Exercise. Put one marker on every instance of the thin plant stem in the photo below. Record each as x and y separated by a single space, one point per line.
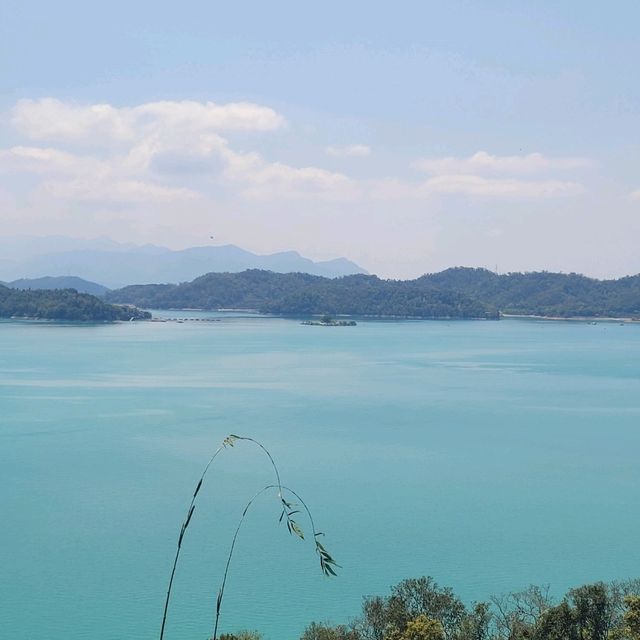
326 561
280 487
185 524
233 545
273 464
228 441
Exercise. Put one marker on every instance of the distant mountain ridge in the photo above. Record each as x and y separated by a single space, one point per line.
58 282
116 265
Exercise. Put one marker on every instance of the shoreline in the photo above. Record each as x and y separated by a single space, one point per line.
524 316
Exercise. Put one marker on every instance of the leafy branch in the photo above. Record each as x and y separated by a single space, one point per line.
327 563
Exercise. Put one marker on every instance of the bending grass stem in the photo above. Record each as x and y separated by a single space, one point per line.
326 561
280 487
228 441
183 528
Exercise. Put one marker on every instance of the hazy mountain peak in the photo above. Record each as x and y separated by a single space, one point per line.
59 282
115 264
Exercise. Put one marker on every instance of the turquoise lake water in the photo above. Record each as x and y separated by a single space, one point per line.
489 455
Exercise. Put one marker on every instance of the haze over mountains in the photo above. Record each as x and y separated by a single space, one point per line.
50 283
115 265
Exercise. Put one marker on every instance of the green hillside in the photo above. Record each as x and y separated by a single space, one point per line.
544 293
455 293
62 304
302 294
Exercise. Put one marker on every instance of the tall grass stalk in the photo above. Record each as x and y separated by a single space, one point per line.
327 563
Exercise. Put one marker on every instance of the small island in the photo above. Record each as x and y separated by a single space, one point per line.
328 321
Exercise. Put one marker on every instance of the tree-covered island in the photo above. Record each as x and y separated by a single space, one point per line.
63 304
302 294
459 292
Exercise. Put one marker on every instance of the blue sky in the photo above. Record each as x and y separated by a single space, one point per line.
408 136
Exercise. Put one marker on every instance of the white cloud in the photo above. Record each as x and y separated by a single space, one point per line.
86 178
482 162
157 142
115 191
209 116
472 187
54 120
183 147
51 119
168 152
261 179
349 151
634 196
469 185
484 175
48 161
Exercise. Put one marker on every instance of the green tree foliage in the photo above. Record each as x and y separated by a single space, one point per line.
544 293
421 628
454 293
632 617
408 600
594 611
241 635
557 623
303 294
419 609
317 631
475 624
62 304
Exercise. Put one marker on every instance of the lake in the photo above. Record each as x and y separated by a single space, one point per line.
489 455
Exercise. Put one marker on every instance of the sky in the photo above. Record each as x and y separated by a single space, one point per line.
406 136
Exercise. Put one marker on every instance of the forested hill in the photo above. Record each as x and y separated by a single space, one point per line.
544 293
455 293
62 304
299 293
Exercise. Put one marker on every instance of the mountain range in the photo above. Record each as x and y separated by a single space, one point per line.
115 265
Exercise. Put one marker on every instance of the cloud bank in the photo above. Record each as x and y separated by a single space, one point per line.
132 154
54 120
173 151
484 175
482 162
174 171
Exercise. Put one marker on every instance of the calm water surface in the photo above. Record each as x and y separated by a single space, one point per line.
489 455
